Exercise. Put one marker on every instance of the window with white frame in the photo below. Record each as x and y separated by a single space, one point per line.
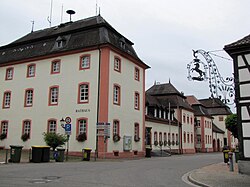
137 131
9 73
55 67
160 136
82 126
116 95
29 97
54 95
117 64
198 138
155 137
4 127
27 127
6 99
173 137
198 123
116 127
83 93
85 62
52 126
137 101
137 74
31 70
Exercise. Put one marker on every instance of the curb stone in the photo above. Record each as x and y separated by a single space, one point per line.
192 180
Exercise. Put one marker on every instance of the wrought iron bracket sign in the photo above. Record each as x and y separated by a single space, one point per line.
202 71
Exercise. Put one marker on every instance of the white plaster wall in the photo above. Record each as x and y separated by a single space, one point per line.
208 132
163 128
67 80
125 113
221 124
188 128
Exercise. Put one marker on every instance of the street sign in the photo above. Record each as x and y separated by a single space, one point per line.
67 127
67 120
103 129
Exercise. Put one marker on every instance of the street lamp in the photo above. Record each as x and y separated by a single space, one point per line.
62 122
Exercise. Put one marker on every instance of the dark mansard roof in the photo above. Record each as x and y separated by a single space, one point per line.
85 33
162 94
215 106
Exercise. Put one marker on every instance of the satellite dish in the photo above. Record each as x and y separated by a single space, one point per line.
70 12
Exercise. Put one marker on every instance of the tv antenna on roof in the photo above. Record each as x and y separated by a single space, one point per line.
49 18
70 12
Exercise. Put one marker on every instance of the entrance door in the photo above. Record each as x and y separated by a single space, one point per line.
148 136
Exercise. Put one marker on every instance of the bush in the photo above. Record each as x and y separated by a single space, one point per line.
116 138
25 137
81 137
3 136
54 139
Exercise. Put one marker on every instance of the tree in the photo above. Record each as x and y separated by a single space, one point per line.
231 124
54 140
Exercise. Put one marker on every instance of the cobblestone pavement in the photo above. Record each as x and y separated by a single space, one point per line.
219 175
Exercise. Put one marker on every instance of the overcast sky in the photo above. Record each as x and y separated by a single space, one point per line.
164 31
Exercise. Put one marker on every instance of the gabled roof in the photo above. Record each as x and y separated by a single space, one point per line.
201 111
85 33
163 90
217 129
192 100
215 106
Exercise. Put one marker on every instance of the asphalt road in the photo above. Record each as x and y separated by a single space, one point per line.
157 171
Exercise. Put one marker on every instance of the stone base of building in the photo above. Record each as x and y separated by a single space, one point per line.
113 155
244 167
188 151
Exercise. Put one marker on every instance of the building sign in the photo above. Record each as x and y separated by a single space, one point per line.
82 110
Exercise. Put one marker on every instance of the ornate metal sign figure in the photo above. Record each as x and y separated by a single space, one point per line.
219 87
197 70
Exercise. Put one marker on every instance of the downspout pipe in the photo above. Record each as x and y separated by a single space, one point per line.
98 100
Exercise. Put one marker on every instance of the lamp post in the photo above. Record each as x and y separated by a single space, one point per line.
62 121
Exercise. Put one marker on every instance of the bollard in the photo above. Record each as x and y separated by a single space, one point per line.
6 157
231 163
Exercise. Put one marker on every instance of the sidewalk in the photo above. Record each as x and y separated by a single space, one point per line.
218 175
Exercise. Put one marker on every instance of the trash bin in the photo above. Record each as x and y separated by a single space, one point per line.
45 154
40 154
225 155
59 155
15 153
37 153
86 154
236 154
148 152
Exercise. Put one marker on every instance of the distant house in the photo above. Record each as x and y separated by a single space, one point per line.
170 119
209 137
219 111
240 52
84 70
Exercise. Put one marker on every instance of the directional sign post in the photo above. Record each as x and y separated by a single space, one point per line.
68 129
